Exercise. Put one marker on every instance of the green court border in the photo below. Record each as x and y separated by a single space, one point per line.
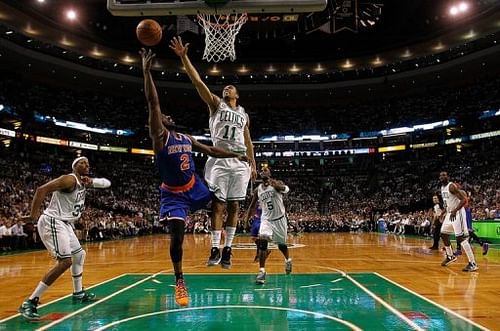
148 276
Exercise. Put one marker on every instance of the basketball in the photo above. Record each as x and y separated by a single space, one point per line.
149 32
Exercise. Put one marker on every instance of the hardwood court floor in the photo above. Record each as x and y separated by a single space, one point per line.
405 261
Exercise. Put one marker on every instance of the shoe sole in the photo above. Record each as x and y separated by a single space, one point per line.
27 317
260 282
225 265
212 264
449 262
470 270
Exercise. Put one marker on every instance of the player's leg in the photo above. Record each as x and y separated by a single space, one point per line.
217 177
265 235
280 228
436 232
446 231
174 209
217 219
77 261
54 236
236 191
462 234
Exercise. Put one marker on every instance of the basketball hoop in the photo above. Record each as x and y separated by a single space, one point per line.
220 35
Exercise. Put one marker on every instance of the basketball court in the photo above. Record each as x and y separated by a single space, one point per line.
340 282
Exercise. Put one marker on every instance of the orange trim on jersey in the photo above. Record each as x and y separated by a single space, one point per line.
180 189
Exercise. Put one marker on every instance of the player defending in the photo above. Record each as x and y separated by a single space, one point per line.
228 178
274 222
55 227
455 222
181 189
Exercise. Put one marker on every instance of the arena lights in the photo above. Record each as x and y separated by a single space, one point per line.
458 9
71 14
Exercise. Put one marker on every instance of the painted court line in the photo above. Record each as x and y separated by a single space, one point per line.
313 285
432 302
386 305
157 281
336 280
378 299
338 320
97 302
64 297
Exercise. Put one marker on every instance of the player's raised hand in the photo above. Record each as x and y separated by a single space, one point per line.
147 59
178 47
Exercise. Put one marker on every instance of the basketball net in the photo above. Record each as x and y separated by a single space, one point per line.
220 35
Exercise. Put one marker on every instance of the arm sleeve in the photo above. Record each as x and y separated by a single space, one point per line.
101 183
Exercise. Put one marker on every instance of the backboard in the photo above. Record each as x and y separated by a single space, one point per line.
195 7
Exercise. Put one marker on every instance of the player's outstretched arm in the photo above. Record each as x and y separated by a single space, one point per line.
215 151
250 152
206 95
156 128
279 186
65 182
96 182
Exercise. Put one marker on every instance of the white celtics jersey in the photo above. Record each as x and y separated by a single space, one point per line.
271 202
67 206
227 127
451 201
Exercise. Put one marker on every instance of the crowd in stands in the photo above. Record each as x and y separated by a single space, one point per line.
316 116
398 192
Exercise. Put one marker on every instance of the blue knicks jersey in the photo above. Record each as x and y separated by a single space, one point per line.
175 160
258 213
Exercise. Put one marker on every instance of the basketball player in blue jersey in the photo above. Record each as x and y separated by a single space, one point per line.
254 229
181 189
455 222
228 178
468 216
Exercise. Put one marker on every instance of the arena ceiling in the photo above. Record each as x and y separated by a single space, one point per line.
388 31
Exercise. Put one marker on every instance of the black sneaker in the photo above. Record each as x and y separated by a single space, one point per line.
448 260
214 258
470 267
29 311
83 296
225 261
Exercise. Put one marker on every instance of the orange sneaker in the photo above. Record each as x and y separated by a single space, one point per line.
181 293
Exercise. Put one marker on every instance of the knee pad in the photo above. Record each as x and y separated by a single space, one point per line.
262 244
77 260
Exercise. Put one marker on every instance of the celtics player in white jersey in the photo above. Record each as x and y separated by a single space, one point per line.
227 178
55 227
455 222
274 222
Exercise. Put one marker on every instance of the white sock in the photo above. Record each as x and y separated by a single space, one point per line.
230 231
468 251
288 260
449 251
216 234
39 290
77 284
262 269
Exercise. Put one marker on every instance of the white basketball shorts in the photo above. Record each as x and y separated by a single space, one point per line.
276 229
457 226
227 178
58 237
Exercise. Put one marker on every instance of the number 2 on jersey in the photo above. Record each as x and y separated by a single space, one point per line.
226 132
185 165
